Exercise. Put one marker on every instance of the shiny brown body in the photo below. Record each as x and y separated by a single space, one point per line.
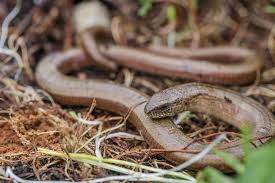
219 65
224 104
119 99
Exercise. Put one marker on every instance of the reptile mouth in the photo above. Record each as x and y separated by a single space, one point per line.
160 114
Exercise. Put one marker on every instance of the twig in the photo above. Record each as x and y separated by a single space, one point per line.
8 19
118 134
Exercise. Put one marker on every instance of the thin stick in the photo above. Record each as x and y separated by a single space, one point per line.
8 19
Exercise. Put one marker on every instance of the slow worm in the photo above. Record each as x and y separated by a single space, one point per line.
161 133
220 65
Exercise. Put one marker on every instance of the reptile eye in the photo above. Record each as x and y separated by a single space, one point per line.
163 107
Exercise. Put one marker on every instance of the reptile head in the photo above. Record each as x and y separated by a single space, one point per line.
163 104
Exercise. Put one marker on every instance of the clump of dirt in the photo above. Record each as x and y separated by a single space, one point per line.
32 125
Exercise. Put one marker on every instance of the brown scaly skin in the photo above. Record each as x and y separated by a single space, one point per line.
117 98
113 97
221 103
230 65
91 22
219 65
